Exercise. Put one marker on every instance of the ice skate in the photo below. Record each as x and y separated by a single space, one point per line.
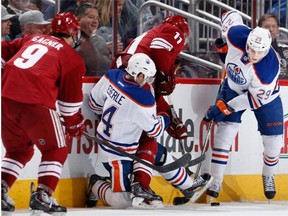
200 185
91 198
214 190
41 202
269 187
6 206
142 198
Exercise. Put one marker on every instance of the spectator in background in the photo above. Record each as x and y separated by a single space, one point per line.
5 23
127 24
32 22
93 48
65 6
271 22
4 2
16 7
278 7
34 5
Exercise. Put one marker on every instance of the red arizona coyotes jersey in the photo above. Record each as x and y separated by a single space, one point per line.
162 44
42 69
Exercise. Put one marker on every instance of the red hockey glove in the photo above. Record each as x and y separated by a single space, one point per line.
74 125
166 82
218 111
176 128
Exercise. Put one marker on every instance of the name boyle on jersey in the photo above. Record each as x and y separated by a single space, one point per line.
235 74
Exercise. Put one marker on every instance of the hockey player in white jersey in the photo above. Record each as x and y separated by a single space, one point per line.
252 70
127 109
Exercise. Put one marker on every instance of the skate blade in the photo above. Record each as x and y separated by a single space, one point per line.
199 193
210 199
5 213
138 202
40 212
36 212
57 213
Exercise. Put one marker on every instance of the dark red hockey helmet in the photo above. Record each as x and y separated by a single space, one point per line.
179 22
65 23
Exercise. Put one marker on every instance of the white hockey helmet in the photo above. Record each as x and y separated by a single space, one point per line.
259 40
141 63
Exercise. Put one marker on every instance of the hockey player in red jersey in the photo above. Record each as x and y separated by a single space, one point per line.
162 44
40 73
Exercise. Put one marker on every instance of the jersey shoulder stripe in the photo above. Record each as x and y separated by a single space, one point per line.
131 89
268 68
237 36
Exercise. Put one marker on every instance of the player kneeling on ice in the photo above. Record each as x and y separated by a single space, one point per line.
251 83
174 30
126 110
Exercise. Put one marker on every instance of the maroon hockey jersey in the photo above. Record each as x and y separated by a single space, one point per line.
42 69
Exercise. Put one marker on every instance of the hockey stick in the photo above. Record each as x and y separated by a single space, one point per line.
183 161
204 147
184 200
181 145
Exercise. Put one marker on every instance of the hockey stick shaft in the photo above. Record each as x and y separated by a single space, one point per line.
184 200
181 162
181 144
204 148
209 129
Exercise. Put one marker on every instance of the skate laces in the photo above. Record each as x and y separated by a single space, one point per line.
199 181
269 183
49 200
92 196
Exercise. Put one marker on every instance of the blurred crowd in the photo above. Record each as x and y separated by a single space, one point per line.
21 17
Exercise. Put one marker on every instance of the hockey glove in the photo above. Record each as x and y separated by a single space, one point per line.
166 82
176 128
221 48
74 125
218 112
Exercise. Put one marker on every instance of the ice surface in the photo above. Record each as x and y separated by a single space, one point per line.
275 208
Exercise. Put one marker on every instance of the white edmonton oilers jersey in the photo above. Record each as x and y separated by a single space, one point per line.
257 84
127 110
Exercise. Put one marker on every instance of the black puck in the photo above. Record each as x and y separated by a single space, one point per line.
215 204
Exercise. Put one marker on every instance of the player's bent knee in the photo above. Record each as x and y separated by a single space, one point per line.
272 144
23 156
225 135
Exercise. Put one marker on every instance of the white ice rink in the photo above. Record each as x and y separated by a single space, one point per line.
225 209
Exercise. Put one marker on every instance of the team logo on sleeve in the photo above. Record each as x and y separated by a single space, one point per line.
236 74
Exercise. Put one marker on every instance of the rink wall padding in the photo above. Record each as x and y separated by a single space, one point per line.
245 188
191 98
